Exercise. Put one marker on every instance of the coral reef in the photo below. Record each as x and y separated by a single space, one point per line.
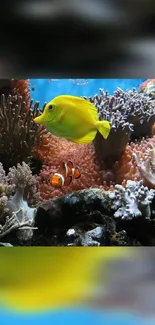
95 217
94 237
129 113
21 88
112 203
148 87
108 109
16 88
70 220
132 201
93 173
147 166
18 132
134 155
91 217
21 177
139 110
18 192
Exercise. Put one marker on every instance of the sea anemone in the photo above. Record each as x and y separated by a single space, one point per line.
136 162
55 150
146 165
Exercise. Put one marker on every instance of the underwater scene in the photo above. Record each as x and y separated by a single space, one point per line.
77 162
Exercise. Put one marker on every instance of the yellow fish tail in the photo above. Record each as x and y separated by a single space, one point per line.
104 128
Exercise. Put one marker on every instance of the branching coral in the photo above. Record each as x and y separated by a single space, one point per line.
138 108
18 132
108 109
132 201
19 189
128 112
21 177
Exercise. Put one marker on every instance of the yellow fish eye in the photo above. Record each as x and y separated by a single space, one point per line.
50 107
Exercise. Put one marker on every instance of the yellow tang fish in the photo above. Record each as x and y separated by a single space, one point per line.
36 279
73 118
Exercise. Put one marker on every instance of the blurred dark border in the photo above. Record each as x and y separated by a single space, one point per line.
78 38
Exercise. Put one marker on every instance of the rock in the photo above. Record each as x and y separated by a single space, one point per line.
94 217
81 218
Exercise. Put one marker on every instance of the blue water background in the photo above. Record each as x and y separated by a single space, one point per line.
47 89
74 317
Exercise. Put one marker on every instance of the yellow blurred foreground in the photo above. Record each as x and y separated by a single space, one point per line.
39 279
33 279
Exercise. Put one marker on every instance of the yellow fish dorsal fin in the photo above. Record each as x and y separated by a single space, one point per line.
81 104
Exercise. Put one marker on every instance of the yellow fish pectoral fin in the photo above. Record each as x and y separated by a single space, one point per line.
61 116
88 138
104 128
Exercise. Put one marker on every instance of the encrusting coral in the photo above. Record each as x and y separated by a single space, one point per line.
18 132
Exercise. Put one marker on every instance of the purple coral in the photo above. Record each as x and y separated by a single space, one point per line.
121 128
129 112
138 109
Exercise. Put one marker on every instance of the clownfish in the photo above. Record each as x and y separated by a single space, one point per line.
65 175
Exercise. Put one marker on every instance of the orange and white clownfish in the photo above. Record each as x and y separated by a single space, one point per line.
65 175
